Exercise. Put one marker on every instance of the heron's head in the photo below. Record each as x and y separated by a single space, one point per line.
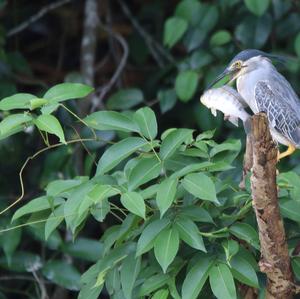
246 61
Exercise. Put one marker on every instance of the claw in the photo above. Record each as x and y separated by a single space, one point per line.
288 152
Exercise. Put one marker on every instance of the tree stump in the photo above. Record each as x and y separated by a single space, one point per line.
275 261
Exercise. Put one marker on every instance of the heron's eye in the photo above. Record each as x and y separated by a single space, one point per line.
237 64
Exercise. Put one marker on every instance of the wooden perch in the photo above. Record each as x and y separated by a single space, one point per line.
275 261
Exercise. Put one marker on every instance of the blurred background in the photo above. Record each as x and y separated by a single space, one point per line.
135 53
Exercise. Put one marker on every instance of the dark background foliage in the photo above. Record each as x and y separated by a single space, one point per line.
167 69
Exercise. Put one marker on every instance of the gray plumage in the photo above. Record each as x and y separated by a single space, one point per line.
281 115
266 90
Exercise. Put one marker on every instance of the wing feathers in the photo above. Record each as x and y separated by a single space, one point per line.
281 115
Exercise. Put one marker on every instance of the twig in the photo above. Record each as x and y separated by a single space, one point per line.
88 49
41 285
31 158
17 277
151 43
275 261
103 90
37 16
102 63
113 45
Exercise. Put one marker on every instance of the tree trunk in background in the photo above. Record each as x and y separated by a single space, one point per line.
275 261
88 50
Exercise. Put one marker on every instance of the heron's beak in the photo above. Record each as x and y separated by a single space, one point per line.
226 72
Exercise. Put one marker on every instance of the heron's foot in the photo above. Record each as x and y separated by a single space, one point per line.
288 152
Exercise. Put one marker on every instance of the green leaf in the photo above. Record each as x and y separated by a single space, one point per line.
61 187
186 84
200 59
249 256
197 214
166 246
189 10
291 181
49 108
290 209
12 132
296 45
196 277
228 145
100 210
209 17
96 195
134 202
87 281
36 205
296 267
9 242
221 282
165 195
63 274
257 7
50 124
167 99
16 101
146 121
203 17
172 142
84 248
67 91
206 135
173 289
220 38
149 192
189 233
153 283
129 273
243 271
72 218
146 240
245 232
54 220
12 122
254 32
174 29
161 294
231 248
144 171
195 167
37 103
112 281
125 99
111 120
118 152
201 186
110 260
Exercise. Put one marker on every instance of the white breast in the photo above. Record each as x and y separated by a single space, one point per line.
246 83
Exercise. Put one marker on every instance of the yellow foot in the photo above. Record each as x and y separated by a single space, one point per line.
288 152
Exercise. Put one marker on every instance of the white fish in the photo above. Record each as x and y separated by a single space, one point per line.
227 100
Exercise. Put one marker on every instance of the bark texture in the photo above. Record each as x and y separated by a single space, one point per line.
275 261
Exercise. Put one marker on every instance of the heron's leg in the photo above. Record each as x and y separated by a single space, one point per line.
288 152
